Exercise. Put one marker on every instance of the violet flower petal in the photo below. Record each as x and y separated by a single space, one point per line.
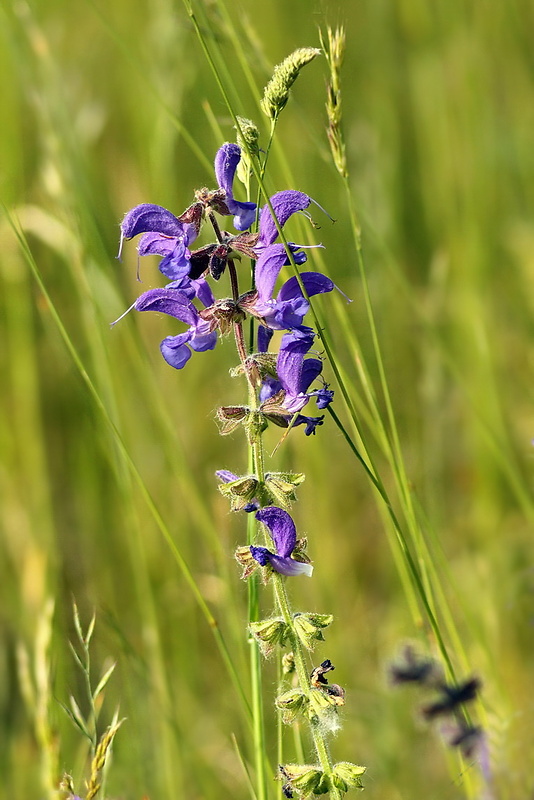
314 283
168 301
270 261
175 351
226 161
293 348
285 566
311 369
311 423
281 527
284 205
264 337
149 217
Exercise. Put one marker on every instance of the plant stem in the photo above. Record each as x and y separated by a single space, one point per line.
319 738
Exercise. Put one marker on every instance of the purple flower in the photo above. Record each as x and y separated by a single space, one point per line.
176 350
163 235
226 161
169 237
295 374
284 535
288 309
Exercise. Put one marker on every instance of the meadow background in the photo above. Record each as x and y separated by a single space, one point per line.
107 105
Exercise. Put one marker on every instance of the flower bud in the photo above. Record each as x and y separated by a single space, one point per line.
248 563
288 663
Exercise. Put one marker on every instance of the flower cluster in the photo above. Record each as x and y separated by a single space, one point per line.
285 390
281 385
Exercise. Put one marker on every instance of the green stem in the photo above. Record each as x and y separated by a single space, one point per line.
319 738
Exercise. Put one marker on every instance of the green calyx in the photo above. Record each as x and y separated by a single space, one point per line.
292 704
347 776
278 488
305 779
309 628
269 633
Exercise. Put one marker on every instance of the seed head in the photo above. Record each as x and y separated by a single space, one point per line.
276 93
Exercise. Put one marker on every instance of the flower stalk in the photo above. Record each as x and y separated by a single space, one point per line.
279 387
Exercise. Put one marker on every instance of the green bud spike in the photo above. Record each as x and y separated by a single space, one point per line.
276 93
248 136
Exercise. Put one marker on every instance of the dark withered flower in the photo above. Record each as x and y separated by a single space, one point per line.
467 738
451 698
412 667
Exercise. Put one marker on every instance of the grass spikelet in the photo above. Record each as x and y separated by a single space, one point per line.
334 49
276 93
103 750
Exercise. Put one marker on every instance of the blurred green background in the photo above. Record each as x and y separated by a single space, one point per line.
107 105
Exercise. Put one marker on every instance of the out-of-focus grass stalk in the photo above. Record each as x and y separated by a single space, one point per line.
160 523
419 564
35 677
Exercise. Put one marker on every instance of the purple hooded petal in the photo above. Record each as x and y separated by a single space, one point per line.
226 161
285 566
269 387
168 301
311 369
281 527
284 205
226 476
149 217
264 337
156 244
270 261
293 348
314 283
290 306
176 256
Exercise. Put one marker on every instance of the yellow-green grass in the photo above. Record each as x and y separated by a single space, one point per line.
108 455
